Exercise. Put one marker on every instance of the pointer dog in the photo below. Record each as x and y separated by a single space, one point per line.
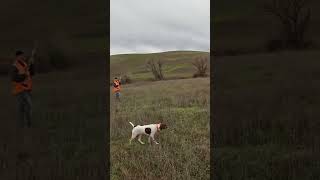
149 130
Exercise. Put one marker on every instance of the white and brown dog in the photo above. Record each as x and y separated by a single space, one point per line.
149 130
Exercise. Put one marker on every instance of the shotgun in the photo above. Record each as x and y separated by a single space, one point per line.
33 53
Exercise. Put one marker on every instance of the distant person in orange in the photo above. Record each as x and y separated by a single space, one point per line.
21 77
117 87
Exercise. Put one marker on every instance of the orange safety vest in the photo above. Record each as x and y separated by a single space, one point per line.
116 87
25 85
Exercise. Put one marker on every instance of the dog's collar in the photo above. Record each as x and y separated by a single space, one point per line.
158 126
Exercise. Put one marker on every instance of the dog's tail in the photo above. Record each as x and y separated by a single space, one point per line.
131 124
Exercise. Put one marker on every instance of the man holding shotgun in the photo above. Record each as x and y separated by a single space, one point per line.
117 87
21 77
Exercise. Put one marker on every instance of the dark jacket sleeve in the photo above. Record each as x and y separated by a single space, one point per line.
15 76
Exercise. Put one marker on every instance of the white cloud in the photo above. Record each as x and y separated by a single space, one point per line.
140 26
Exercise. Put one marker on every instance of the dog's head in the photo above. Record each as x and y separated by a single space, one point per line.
163 126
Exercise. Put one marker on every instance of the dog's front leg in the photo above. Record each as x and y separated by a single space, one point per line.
154 140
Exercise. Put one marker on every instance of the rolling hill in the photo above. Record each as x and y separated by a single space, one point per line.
177 64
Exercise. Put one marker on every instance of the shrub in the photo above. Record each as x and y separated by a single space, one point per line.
58 58
294 17
126 79
201 65
50 56
274 45
155 66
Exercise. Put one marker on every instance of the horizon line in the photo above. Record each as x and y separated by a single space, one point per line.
159 52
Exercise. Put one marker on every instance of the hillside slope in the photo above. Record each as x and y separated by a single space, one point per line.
177 64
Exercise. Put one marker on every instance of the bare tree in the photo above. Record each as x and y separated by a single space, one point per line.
294 16
201 65
155 66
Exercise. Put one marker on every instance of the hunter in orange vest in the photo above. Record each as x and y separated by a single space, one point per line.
117 87
21 77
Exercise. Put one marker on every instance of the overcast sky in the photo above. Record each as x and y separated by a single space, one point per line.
143 26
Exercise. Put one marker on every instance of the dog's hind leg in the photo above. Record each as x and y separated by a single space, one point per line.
139 139
134 135
149 140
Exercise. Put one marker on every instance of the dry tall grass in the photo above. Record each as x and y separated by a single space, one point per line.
267 116
184 150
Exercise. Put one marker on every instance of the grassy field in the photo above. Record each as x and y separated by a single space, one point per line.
184 149
67 138
266 109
